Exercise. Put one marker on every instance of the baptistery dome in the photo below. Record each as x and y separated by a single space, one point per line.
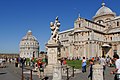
29 36
29 46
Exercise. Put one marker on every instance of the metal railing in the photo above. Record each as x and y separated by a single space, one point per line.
27 78
69 71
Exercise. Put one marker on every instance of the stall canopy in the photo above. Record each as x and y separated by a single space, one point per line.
106 45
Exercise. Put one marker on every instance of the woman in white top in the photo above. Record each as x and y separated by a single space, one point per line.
84 65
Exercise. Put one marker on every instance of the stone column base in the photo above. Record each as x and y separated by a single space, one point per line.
48 71
57 72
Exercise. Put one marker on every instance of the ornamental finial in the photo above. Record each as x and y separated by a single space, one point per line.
103 4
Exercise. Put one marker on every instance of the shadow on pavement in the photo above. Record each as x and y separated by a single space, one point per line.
3 73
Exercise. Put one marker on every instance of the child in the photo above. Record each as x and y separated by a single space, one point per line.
91 72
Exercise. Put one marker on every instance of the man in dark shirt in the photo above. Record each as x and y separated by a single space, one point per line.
91 72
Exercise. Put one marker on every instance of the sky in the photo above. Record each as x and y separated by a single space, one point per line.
19 16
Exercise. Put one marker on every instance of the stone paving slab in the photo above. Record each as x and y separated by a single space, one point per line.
84 76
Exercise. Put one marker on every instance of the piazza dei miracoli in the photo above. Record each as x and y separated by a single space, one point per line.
90 38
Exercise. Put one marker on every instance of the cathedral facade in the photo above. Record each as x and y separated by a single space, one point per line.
92 38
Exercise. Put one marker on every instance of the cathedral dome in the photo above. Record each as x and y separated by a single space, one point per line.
104 10
104 14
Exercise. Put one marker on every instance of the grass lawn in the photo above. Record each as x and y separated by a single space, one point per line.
76 63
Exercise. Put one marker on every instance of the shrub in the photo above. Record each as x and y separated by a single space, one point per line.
76 63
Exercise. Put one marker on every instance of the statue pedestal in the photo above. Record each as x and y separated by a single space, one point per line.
52 56
97 72
57 72
53 47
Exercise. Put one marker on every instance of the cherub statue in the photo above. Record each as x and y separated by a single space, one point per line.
54 30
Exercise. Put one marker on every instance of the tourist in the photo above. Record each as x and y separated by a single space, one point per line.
77 58
108 60
112 62
64 61
46 60
33 62
21 62
43 62
117 68
80 58
40 66
103 63
91 71
61 61
84 65
93 59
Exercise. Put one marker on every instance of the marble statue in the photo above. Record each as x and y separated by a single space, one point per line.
54 30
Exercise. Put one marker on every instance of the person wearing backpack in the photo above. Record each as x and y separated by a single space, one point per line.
91 69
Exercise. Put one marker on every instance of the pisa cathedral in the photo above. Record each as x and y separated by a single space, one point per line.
90 38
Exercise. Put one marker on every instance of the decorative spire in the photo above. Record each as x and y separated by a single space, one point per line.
29 32
103 4
79 15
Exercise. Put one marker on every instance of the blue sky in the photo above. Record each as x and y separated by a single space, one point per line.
19 16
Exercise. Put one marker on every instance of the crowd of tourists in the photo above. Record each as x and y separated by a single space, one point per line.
40 63
105 62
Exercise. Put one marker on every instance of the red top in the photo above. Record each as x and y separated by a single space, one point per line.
64 62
